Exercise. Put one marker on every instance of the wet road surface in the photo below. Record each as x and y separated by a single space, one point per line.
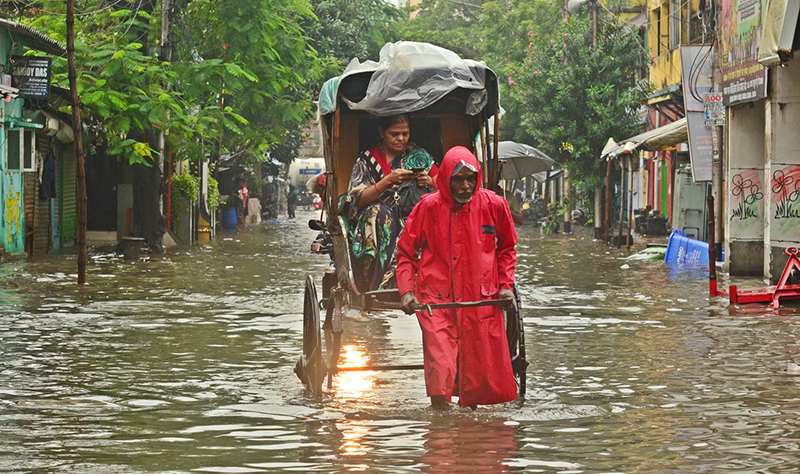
184 364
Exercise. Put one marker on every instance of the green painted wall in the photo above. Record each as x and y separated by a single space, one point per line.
12 213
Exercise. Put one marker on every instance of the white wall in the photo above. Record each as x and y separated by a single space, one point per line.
782 166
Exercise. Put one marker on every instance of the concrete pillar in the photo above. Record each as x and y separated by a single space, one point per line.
782 163
746 189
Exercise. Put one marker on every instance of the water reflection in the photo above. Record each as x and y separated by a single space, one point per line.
468 445
352 434
354 385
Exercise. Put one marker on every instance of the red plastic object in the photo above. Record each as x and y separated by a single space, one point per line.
771 294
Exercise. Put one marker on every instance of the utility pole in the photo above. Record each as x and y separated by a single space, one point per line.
607 220
80 173
594 23
164 55
718 136
567 191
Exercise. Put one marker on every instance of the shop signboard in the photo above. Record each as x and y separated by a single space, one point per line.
714 109
31 75
744 79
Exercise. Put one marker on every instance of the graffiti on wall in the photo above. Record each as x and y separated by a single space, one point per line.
13 221
785 205
785 192
12 214
746 195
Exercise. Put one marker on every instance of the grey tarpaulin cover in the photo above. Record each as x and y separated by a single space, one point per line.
410 76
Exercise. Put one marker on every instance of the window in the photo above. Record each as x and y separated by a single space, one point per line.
674 24
21 149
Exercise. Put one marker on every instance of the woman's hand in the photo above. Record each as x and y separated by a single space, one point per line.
371 194
397 176
423 179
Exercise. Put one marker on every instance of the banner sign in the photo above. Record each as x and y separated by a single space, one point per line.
31 75
744 79
696 81
696 69
701 147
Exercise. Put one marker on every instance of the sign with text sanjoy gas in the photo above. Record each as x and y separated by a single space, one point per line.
744 79
31 75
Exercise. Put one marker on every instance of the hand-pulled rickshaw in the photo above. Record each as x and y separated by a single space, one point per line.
451 102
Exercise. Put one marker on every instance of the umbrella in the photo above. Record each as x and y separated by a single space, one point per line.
522 160
541 176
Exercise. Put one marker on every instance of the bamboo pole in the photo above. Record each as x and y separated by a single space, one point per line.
484 165
621 202
487 157
630 201
495 137
80 172
607 220
712 249
567 203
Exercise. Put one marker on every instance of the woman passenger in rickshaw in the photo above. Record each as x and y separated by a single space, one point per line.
375 227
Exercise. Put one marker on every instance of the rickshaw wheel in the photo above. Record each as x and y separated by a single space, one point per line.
516 345
333 335
522 362
311 368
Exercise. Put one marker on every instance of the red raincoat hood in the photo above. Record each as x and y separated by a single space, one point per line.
451 159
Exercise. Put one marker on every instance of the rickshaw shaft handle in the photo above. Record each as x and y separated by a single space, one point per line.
465 304
462 304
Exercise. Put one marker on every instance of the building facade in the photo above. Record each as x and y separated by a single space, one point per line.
32 160
760 83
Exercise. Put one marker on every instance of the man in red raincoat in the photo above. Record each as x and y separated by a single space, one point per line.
458 245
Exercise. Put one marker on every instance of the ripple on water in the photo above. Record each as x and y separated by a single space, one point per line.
137 372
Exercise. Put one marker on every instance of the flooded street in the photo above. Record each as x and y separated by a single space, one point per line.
185 364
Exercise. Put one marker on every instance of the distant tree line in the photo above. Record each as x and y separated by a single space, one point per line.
241 76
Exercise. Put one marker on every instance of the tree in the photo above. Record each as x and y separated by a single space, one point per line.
559 93
253 57
515 23
454 25
496 32
347 29
240 84
573 96
127 95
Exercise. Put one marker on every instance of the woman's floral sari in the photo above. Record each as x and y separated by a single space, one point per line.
374 230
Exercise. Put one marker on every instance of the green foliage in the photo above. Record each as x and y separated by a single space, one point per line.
239 74
251 60
125 93
288 149
186 185
349 29
572 96
213 193
560 94
451 25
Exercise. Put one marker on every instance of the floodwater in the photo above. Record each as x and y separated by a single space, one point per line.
184 364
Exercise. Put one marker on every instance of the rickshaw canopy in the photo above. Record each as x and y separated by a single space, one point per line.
411 76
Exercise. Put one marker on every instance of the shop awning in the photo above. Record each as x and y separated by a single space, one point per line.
778 26
653 140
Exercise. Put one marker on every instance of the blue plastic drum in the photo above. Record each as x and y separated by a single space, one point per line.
228 218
